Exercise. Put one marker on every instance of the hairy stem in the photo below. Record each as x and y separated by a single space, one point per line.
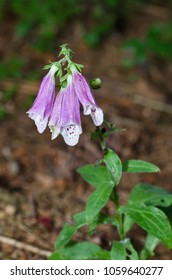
119 217
114 195
101 139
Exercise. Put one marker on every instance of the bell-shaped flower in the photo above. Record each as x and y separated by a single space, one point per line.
85 96
65 116
43 104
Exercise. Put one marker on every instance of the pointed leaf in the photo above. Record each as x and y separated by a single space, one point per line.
79 218
114 166
96 176
123 250
139 166
150 195
149 247
111 131
97 200
81 251
153 220
127 224
65 235
55 256
69 230
101 219
99 177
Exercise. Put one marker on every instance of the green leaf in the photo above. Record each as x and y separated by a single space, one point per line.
55 256
96 176
149 247
101 219
114 166
139 166
99 177
81 251
97 200
79 218
111 131
150 195
69 230
3 112
168 212
123 250
94 135
65 235
79 66
153 220
127 224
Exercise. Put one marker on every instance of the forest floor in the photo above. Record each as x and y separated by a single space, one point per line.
40 189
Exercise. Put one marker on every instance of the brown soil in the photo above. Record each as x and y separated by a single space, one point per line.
40 189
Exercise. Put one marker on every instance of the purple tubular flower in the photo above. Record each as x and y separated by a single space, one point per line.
43 104
65 116
85 96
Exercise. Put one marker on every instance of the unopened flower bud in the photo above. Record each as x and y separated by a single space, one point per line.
95 83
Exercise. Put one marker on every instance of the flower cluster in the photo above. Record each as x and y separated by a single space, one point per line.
62 112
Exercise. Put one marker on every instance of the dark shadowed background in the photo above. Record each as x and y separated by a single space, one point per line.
128 44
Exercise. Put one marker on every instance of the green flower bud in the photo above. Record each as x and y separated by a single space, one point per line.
95 83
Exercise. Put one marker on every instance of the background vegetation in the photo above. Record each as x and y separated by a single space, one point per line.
127 43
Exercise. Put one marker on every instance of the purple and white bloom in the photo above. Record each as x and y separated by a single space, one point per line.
85 96
43 104
65 116
62 113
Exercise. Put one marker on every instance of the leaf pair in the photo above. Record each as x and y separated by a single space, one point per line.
142 208
104 178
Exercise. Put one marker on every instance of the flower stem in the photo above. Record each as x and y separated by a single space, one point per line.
101 139
114 195
119 217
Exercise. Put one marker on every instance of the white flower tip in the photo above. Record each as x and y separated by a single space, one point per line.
40 122
87 110
97 116
55 131
71 134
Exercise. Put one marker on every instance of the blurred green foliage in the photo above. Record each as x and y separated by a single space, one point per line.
103 16
157 42
43 20
3 112
6 96
12 67
39 24
40 20
9 93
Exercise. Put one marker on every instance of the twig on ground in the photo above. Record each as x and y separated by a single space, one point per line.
24 246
